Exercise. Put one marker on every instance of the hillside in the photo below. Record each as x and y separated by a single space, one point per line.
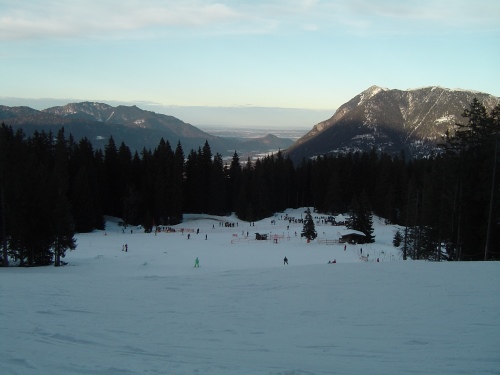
389 121
137 128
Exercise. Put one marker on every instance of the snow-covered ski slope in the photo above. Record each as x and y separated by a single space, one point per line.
149 311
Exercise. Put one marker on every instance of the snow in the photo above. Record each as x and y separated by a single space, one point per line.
111 115
370 93
149 311
446 119
344 232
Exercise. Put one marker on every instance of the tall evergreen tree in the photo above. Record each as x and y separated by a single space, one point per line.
12 154
260 190
234 182
61 219
30 227
475 144
361 218
244 207
112 182
217 198
192 183
82 202
86 187
163 159
177 198
309 230
205 178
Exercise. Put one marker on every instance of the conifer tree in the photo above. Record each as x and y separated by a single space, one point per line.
61 219
31 211
86 186
205 175
475 147
192 183
397 239
163 162
82 202
6 135
112 172
308 230
217 197
234 182
11 155
260 191
176 195
361 217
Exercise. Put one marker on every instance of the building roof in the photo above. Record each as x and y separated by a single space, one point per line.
347 232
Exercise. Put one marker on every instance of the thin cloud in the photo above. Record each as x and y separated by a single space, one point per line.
460 13
38 19
31 19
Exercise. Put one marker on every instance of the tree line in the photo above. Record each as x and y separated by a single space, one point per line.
446 205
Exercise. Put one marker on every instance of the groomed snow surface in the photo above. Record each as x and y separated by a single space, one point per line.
149 311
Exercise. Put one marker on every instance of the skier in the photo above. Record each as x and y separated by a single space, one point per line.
285 261
197 262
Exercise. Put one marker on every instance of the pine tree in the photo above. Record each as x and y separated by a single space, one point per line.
217 198
83 204
361 218
112 200
6 135
163 162
397 239
85 189
474 145
309 231
176 195
11 155
192 183
30 213
234 182
260 191
205 181
61 221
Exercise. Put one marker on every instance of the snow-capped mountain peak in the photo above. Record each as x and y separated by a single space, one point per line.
389 121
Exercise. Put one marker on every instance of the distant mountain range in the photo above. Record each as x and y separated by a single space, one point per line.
382 119
389 121
135 127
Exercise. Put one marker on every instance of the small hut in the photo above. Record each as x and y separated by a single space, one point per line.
261 237
352 236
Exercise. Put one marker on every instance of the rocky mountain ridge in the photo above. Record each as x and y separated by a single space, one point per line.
137 128
390 121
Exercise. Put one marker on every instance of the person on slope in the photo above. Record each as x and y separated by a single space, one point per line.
197 262
285 261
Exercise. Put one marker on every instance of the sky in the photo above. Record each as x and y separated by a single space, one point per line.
243 311
310 55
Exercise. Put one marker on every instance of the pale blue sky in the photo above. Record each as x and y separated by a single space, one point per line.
306 54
